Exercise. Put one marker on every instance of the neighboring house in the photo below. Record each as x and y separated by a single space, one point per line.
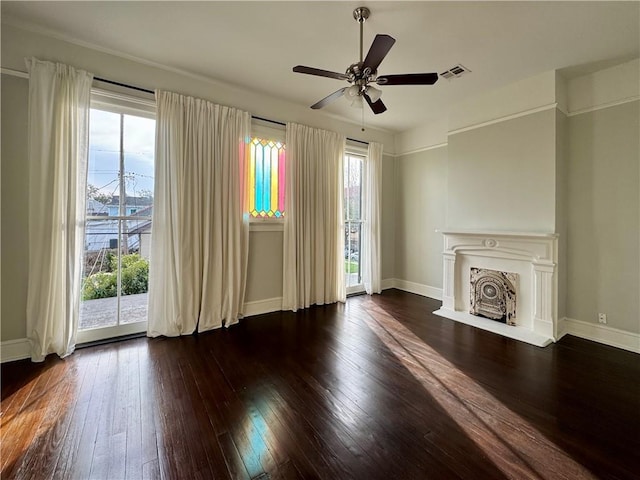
103 233
133 205
95 208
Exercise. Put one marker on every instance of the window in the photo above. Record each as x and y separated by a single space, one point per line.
266 178
353 221
119 201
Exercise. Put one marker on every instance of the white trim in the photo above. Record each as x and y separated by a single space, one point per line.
613 337
602 106
270 225
517 333
387 283
95 334
258 307
501 233
102 96
12 350
356 149
418 288
564 111
422 149
504 119
355 289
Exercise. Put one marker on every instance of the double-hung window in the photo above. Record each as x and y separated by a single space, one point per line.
119 207
353 165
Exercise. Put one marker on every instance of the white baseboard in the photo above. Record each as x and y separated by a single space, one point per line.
601 333
12 350
259 307
387 283
418 288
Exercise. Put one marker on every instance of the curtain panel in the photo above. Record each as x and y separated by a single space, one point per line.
371 212
200 235
313 228
58 140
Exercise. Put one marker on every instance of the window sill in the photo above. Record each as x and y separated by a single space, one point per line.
270 225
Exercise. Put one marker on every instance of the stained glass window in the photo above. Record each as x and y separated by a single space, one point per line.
266 178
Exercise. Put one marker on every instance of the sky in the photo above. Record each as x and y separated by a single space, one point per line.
104 156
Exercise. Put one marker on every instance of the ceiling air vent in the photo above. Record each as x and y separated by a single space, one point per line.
455 71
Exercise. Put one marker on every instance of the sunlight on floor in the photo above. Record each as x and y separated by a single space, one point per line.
509 441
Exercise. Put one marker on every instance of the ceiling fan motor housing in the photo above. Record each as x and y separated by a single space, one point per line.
359 75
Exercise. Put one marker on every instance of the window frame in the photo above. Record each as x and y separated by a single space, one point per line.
362 152
118 103
267 131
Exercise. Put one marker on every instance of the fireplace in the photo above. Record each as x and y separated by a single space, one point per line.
493 294
524 264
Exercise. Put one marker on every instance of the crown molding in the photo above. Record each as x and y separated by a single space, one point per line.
422 149
602 106
506 118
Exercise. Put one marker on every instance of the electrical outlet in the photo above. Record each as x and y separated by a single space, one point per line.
602 318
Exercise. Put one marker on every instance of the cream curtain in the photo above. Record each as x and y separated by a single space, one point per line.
58 139
371 194
200 226
313 229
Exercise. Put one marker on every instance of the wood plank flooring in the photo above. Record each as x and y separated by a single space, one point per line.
378 388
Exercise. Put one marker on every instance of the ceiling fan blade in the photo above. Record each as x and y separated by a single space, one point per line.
329 98
379 49
376 107
319 72
408 79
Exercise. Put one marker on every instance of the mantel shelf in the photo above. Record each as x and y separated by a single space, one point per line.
497 233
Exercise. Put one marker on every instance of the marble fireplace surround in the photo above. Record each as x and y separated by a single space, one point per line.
534 256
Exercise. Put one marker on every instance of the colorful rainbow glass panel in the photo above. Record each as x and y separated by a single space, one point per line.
266 178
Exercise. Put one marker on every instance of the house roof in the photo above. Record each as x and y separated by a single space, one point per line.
132 201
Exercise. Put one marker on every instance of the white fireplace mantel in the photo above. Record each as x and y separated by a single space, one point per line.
533 256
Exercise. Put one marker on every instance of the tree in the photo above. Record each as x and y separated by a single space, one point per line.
98 195
145 193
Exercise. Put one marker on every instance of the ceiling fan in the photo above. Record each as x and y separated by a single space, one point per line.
364 72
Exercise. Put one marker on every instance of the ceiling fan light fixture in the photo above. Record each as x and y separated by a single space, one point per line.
374 93
357 102
353 91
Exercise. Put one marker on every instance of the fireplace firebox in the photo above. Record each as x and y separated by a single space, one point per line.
493 294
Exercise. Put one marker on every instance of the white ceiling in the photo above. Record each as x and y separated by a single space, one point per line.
256 44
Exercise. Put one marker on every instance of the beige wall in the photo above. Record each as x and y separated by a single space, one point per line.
265 258
15 202
604 216
502 176
421 193
388 233
577 175
562 176
574 174
264 267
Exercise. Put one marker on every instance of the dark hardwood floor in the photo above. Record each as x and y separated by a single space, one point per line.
378 388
